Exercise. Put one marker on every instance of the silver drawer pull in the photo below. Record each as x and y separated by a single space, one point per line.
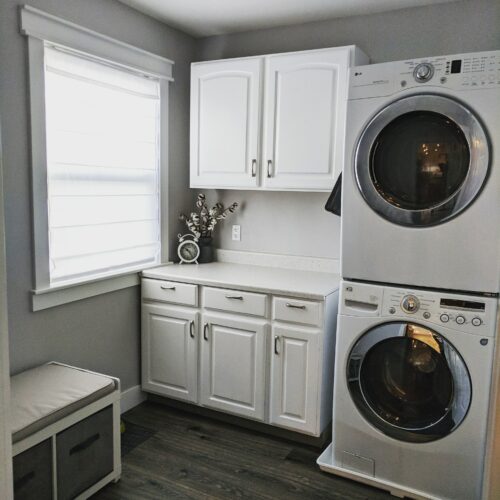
294 306
205 331
191 329
276 340
166 287
254 168
269 166
234 297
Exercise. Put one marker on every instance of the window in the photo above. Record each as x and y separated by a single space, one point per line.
99 115
102 167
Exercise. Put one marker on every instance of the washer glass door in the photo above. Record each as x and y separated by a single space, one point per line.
409 382
422 160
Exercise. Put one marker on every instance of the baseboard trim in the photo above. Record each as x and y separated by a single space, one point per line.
131 397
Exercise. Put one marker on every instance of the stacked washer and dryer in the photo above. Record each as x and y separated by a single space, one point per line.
420 261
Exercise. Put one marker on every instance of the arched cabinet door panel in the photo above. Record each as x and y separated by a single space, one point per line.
225 107
304 119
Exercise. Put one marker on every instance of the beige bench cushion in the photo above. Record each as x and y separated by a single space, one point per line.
43 395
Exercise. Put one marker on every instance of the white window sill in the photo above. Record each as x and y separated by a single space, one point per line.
64 293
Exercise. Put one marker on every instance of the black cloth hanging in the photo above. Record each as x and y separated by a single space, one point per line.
334 200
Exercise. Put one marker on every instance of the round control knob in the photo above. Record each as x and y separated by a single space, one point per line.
476 321
427 315
423 72
392 310
460 320
410 304
444 318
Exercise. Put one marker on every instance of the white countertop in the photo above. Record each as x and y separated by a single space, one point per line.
314 285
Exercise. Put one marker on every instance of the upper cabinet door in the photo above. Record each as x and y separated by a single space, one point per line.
225 106
304 119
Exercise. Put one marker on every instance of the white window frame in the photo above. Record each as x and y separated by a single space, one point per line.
40 28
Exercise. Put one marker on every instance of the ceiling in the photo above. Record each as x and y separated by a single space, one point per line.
215 17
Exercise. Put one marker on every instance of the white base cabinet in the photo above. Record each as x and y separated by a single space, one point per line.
233 354
170 351
294 397
264 357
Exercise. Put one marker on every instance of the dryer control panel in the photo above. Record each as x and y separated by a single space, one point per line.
474 71
467 313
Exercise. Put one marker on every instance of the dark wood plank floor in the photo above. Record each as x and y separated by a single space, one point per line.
181 455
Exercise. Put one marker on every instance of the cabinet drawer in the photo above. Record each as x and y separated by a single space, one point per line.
170 291
235 301
297 311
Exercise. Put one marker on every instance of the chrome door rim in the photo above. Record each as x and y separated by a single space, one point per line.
477 141
408 434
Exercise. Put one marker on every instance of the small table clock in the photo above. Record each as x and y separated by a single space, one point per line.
188 249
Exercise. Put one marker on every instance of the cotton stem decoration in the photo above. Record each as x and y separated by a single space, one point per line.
203 222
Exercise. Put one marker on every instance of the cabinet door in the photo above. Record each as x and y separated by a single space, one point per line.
304 119
169 351
225 105
295 364
232 364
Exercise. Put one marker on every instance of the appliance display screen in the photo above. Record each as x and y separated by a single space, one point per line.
456 66
463 304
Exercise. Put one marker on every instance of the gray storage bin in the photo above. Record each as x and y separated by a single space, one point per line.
84 454
33 473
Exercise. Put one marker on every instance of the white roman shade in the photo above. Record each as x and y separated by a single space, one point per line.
103 158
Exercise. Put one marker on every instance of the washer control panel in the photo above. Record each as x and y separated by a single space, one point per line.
473 71
472 314
461 71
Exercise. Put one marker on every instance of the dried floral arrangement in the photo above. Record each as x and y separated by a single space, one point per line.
203 222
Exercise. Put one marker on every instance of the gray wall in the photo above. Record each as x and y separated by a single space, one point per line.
268 219
100 333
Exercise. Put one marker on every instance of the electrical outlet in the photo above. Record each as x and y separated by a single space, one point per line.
236 232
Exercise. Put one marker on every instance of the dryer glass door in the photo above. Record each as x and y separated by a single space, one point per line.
422 160
409 382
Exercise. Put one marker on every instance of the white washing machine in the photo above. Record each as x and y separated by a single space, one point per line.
413 375
421 182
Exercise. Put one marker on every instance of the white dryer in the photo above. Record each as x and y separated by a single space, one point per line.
413 375
421 181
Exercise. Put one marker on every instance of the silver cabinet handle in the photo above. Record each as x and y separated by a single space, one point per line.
234 297
294 306
191 329
205 331
166 287
269 165
276 340
254 167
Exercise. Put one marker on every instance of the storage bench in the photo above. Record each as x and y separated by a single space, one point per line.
65 432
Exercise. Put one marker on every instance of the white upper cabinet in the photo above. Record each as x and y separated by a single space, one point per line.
295 143
225 109
306 97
